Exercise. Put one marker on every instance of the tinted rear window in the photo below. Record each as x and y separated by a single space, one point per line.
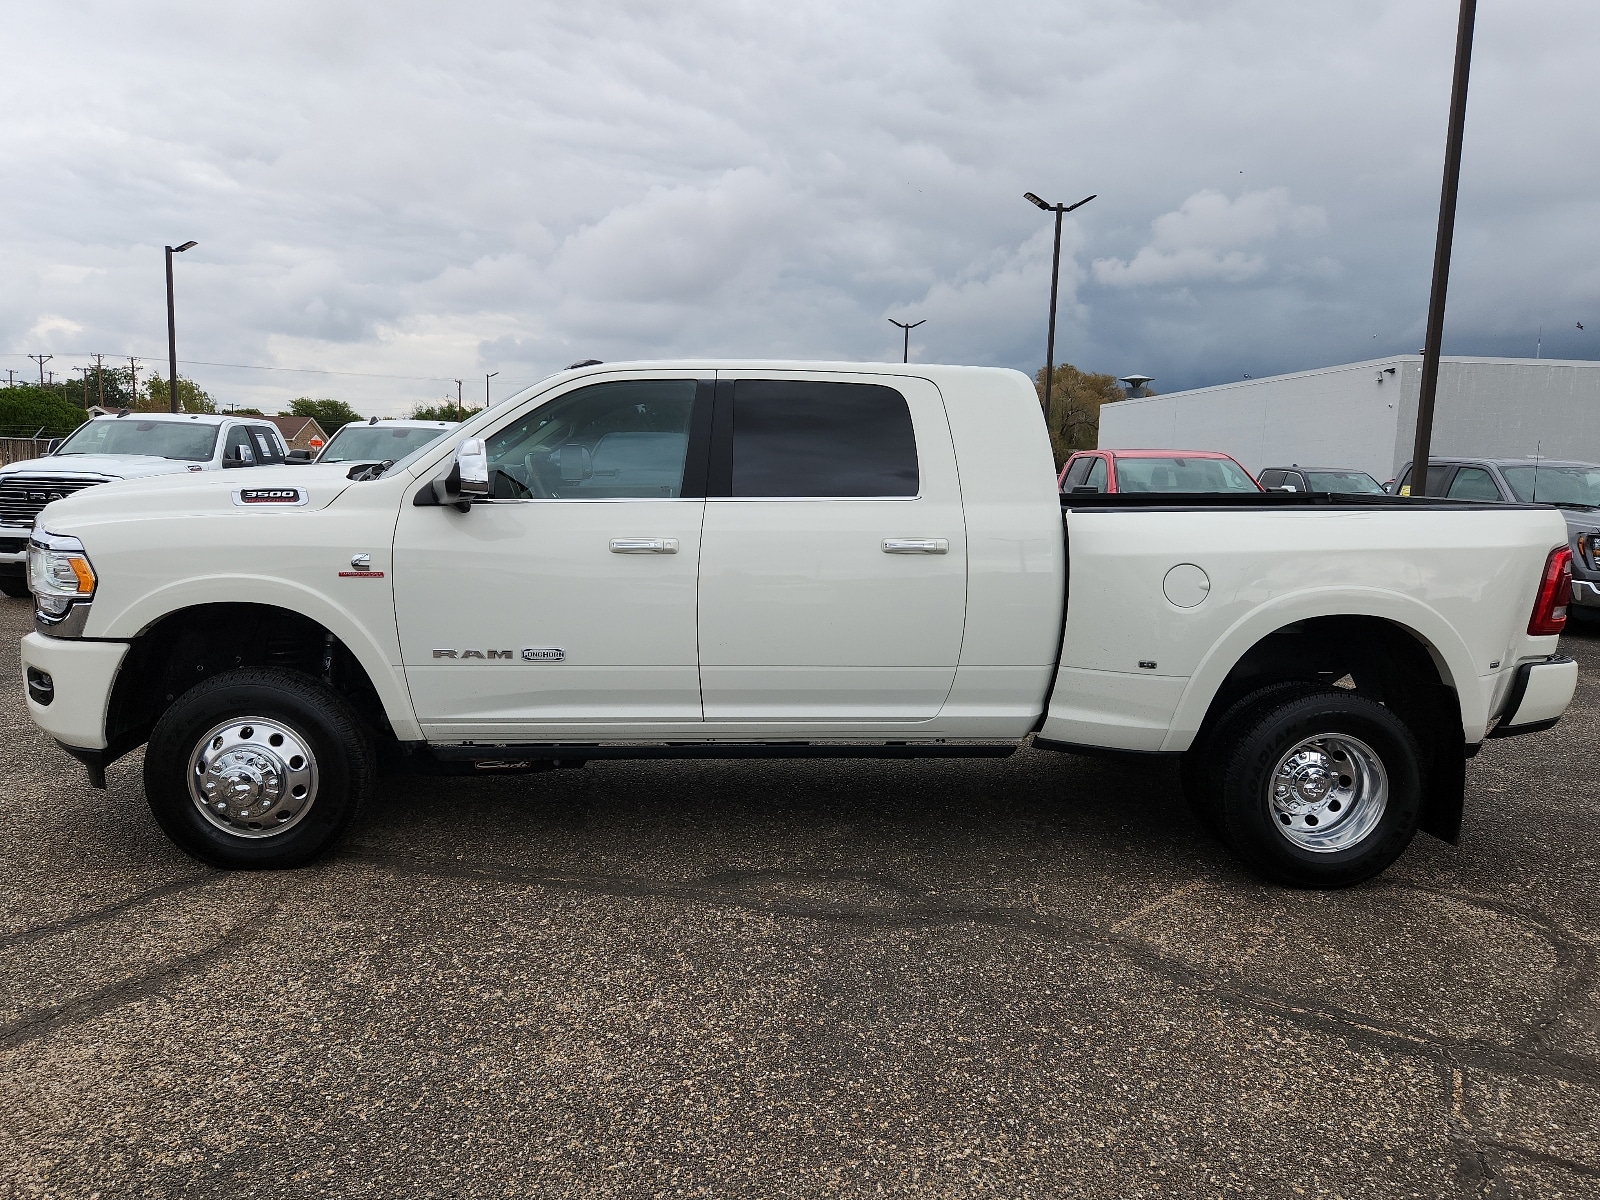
799 438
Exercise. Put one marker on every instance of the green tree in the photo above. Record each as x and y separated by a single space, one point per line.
26 410
443 411
191 399
332 415
1075 400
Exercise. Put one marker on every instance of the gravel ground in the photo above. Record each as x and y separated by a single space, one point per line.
1026 977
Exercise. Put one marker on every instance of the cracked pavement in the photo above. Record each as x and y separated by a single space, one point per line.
1022 977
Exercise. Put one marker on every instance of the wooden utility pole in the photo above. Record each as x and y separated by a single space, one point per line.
133 374
100 378
1422 448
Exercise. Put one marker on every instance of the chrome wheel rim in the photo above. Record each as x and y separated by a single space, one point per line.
1328 793
253 777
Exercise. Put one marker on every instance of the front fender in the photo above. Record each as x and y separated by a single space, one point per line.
378 653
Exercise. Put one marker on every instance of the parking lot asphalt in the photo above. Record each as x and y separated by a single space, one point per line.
1026 977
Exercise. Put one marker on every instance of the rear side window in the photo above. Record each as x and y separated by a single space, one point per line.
1097 476
803 438
1272 479
1075 473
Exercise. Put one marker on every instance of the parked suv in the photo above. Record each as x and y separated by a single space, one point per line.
1340 481
1573 487
128 445
1154 471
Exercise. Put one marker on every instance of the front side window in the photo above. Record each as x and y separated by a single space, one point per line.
814 439
1075 473
237 448
1182 475
622 440
1473 483
190 442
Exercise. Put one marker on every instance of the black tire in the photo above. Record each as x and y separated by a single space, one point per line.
1201 769
1253 828
340 750
15 586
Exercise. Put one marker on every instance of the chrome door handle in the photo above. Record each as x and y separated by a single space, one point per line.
916 546
644 545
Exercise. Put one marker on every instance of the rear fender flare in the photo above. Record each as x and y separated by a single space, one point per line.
1450 654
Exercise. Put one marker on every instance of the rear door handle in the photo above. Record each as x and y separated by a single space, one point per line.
644 545
916 546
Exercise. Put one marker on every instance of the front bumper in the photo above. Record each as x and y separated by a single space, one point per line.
1539 694
68 685
14 549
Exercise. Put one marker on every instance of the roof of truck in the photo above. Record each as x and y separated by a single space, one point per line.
1119 452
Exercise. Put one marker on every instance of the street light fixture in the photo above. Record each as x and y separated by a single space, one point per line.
1055 278
486 379
905 354
172 328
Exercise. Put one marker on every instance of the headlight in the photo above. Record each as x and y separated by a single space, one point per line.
59 573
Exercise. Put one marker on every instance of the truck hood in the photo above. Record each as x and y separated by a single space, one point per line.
268 492
114 466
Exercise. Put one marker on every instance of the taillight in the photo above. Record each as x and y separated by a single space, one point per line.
1555 589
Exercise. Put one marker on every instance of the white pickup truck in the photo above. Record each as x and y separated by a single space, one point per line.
785 560
124 446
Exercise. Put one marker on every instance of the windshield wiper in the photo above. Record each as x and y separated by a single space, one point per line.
362 472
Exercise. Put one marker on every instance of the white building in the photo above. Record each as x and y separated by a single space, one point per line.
1364 415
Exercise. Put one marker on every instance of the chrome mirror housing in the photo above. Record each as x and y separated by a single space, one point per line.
467 478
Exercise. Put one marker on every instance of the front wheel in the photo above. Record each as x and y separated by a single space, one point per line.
1321 790
258 768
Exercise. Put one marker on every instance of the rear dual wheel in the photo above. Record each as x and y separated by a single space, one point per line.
1311 786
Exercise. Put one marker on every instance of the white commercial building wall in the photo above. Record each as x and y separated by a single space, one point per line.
1363 415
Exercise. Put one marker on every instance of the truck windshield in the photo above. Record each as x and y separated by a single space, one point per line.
1555 485
191 442
1182 475
1343 481
375 443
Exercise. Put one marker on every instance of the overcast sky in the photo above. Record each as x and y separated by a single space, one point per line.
443 190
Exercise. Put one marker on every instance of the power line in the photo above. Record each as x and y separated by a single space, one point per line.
193 362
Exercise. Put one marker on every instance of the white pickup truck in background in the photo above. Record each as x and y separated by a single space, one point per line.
785 560
124 446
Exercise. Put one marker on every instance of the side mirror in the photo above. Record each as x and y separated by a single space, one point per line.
239 456
575 463
53 445
298 456
467 478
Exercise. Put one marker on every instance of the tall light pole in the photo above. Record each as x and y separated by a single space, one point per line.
172 328
1055 279
1422 448
905 354
458 402
486 379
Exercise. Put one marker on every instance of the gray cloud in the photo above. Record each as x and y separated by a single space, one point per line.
431 190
